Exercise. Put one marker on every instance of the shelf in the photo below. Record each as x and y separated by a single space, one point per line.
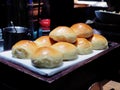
89 4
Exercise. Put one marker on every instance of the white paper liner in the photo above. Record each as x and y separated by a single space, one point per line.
6 55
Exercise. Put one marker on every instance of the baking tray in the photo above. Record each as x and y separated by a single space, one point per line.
50 75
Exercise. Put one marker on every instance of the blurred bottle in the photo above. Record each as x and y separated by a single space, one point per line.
44 20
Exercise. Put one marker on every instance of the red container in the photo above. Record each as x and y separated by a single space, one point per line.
45 24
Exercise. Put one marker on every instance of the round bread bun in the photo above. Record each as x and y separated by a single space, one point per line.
69 50
99 42
23 49
84 46
63 33
47 57
44 41
82 30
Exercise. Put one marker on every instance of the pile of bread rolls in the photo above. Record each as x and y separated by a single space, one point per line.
62 44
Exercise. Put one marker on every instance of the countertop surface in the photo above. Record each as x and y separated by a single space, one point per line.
90 4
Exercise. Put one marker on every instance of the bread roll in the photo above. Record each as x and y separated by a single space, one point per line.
69 50
23 49
44 41
47 57
99 42
83 46
82 30
63 33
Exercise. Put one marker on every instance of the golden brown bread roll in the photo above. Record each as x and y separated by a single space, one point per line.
44 41
83 46
23 49
69 50
63 33
47 57
82 30
99 42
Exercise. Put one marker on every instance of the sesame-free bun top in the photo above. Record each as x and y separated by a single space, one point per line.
23 49
84 46
47 57
63 33
99 42
44 41
82 30
69 50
